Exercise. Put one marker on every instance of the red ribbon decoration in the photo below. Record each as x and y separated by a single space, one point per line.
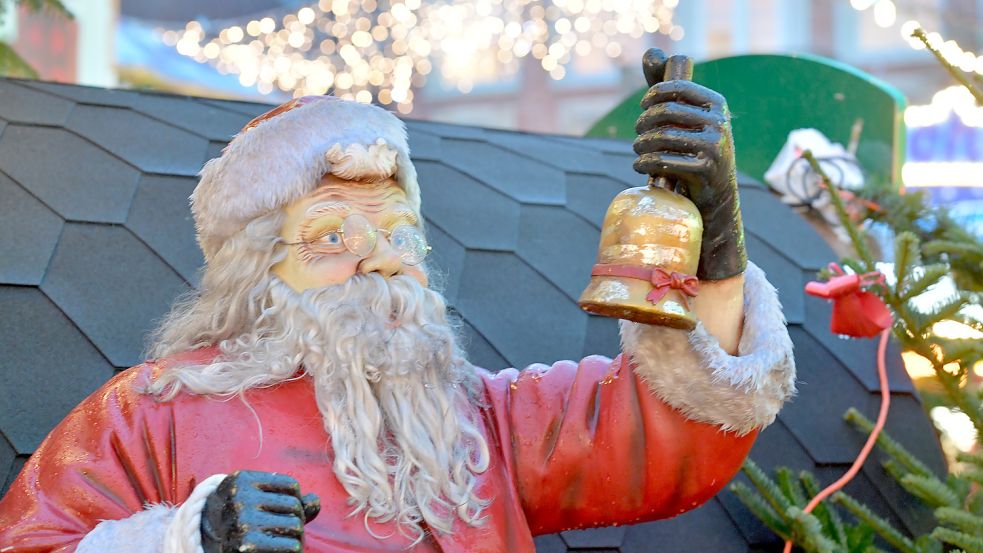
856 312
662 281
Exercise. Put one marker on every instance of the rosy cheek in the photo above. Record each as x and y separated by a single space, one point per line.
325 270
416 273
334 263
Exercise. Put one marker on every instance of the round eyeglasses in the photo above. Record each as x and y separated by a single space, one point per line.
359 236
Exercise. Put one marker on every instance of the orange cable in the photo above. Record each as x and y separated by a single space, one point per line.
878 426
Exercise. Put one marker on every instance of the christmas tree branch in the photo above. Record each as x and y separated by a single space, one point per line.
761 509
914 325
790 486
948 251
931 490
858 242
906 257
887 443
973 474
883 528
971 457
807 531
953 70
960 520
827 514
970 544
766 486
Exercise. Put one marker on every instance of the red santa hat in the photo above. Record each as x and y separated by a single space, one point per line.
281 156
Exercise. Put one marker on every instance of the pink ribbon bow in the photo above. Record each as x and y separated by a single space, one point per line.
662 280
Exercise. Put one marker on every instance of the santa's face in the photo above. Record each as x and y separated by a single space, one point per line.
344 228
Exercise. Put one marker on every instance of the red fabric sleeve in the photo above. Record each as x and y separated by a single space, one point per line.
109 457
592 446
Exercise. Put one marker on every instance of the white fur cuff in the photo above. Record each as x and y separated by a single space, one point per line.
142 532
697 377
158 529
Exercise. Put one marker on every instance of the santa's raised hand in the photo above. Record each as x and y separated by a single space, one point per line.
684 134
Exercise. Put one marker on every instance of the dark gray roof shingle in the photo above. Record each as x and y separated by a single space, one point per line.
31 232
20 104
99 277
78 180
147 144
51 363
160 218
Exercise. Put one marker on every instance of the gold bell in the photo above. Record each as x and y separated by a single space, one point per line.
647 259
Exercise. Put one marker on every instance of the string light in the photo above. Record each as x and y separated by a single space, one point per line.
950 49
954 99
861 5
380 50
885 15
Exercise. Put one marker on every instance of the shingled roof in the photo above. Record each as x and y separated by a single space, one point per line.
96 240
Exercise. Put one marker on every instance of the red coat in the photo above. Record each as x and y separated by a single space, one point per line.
574 446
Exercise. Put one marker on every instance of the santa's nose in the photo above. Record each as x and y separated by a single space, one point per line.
382 260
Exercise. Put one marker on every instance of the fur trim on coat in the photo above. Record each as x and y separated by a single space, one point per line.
694 375
158 529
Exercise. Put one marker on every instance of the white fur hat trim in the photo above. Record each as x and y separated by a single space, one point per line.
283 158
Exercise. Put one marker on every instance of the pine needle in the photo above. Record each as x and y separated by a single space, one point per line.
824 511
906 256
859 243
947 308
950 247
809 533
761 509
927 276
971 457
766 486
970 544
973 474
790 486
964 351
953 70
883 528
888 444
931 490
969 320
960 520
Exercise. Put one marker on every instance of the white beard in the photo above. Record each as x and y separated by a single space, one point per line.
396 395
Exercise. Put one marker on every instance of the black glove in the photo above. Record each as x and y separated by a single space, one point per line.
256 512
684 135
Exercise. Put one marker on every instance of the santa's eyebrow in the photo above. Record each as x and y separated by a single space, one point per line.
400 214
322 208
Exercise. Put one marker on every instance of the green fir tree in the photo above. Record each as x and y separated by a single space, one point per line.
928 246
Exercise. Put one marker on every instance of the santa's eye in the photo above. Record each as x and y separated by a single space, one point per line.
329 239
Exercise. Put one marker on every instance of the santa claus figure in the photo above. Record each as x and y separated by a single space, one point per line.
311 395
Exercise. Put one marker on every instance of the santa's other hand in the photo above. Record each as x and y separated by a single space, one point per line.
259 512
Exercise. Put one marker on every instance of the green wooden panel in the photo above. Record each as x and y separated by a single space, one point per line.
770 95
